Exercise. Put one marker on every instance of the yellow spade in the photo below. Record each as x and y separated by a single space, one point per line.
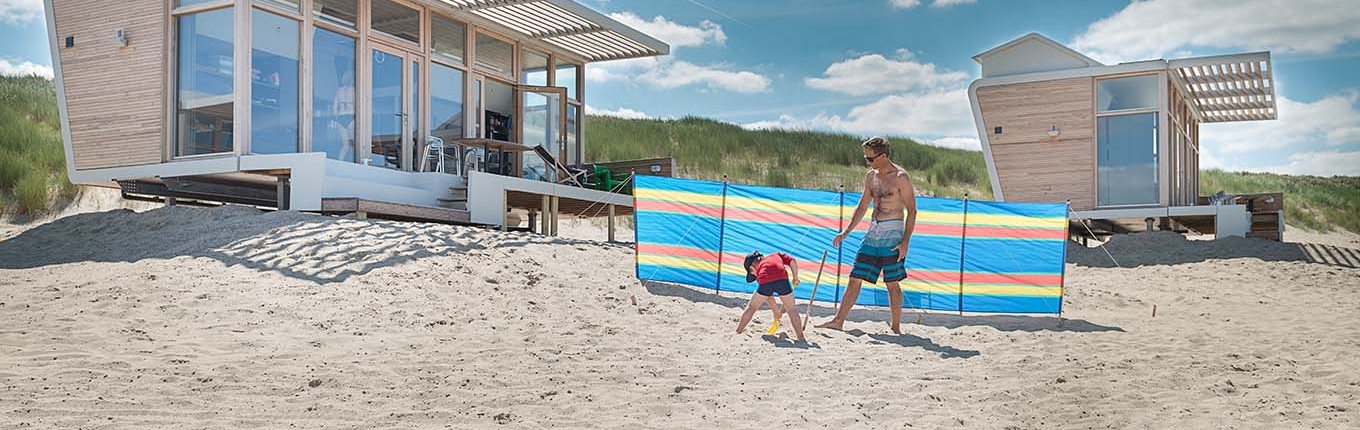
774 328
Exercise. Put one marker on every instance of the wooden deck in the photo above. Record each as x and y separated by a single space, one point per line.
1267 209
394 211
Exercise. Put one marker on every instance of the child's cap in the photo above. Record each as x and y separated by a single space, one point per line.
751 260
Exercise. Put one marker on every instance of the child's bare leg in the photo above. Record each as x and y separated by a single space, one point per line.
751 308
774 308
792 310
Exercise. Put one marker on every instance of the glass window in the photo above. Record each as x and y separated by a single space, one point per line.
566 78
396 20
413 125
1134 92
574 156
203 111
495 55
184 3
288 5
499 101
542 127
535 70
387 110
1126 147
446 109
343 13
333 94
449 38
274 89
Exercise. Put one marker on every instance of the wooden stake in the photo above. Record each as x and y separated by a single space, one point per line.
812 298
1154 311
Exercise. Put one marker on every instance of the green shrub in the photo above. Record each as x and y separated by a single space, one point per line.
32 193
12 169
952 172
777 178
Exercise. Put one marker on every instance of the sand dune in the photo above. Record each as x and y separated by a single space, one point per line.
229 317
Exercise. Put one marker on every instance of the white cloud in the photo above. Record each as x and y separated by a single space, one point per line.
1322 163
918 101
676 74
1333 120
16 11
674 34
671 73
24 68
1155 28
969 143
941 118
625 113
908 4
876 74
948 3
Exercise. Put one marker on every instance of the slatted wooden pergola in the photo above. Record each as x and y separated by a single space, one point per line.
1226 88
567 25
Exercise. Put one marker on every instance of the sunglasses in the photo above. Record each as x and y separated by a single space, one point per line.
871 159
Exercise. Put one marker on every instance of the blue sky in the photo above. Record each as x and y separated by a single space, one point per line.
900 66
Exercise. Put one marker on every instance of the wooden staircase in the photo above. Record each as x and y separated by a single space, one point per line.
1267 214
456 199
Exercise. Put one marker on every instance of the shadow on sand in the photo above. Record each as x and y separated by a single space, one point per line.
311 247
821 313
1169 249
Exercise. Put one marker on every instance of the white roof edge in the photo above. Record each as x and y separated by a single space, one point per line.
610 24
1219 59
1037 37
1141 66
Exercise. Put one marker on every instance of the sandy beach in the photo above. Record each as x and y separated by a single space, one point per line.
234 318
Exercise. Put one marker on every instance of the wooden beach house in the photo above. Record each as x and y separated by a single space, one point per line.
1120 142
412 109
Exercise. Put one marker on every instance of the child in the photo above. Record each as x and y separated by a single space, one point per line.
770 272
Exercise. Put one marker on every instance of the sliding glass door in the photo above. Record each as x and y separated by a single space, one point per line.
394 91
544 124
1126 162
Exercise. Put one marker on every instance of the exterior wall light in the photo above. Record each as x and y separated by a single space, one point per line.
120 38
1053 132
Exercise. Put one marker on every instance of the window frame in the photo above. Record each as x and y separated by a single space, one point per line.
169 149
375 34
304 73
514 54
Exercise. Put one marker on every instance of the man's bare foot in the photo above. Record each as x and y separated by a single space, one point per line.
896 330
832 325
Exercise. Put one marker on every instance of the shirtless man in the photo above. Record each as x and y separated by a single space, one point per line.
885 245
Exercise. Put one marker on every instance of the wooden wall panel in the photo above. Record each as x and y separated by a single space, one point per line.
1026 111
115 96
1030 165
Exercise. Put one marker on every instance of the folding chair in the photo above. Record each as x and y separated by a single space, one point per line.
566 176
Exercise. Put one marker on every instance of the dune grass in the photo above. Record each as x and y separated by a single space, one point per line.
708 149
1316 203
32 159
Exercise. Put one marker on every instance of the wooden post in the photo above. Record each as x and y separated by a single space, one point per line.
963 248
544 217
505 208
611 223
815 283
283 193
722 226
556 204
170 201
